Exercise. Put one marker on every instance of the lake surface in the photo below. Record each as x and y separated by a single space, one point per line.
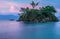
20 30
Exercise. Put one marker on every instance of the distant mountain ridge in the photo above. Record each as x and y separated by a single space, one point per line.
15 17
8 17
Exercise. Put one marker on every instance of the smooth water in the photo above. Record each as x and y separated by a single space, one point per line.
20 30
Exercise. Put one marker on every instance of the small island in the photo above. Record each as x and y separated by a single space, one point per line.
11 19
43 14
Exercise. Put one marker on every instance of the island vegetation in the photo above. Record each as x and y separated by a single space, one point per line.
43 14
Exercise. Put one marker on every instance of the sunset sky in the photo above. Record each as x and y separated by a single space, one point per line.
13 6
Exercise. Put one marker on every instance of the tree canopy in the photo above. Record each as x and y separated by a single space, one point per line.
44 14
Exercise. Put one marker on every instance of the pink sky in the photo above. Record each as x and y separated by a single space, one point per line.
11 6
7 6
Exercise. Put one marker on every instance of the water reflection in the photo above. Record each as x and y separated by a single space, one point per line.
39 31
10 29
20 30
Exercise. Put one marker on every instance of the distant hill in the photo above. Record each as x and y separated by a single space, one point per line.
8 17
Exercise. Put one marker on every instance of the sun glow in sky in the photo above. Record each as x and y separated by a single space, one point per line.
7 6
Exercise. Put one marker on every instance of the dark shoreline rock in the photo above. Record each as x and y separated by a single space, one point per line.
38 21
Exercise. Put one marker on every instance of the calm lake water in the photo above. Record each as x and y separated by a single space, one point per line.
20 30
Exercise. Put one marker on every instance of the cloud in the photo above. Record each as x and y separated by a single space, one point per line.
58 12
6 6
11 6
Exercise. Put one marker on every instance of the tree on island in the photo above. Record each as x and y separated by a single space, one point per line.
44 14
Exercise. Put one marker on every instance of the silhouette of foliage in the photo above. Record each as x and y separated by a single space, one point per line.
44 14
